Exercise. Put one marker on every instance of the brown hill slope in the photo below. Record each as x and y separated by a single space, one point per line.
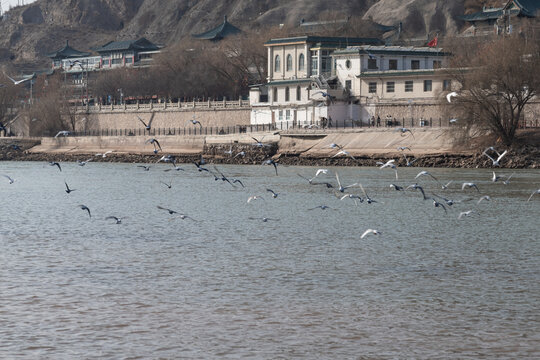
33 30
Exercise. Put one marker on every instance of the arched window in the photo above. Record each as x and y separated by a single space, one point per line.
289 62
298 93
287 97
274 95
277 64
301 62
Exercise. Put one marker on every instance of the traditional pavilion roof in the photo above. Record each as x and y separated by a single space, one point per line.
490 14
67 52
220 32
528 8
141 44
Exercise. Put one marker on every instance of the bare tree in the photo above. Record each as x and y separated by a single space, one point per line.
498 79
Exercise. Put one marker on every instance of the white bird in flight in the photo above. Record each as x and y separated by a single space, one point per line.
464 213
370 231
11 181
254 197
469 185
17 82
533 193
343 152
500 156
342 188
63 133
449 96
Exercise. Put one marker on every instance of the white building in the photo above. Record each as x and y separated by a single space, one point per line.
301 80
379 76
314 78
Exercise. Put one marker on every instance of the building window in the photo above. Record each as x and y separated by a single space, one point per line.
274 95
314 63
446 85
289 62
129 60
106 62
298 93
372 87
326 61
372 64
277 64
390 86
348 84
415 64
392 64
301 62
117 61
437 64
280 115
428 85
287 115
287 94
408 86
348 64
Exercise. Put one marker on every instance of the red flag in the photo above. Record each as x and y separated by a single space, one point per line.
433 43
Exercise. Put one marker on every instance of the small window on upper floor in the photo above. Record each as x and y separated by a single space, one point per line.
392 64
301 62
372 64
277 64
437 64
446 85
298 93
415 64
428 85
348 84
287 94
289 62
348 64
409 86
372 87
274 95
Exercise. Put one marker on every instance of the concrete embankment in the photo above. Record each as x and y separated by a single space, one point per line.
430 148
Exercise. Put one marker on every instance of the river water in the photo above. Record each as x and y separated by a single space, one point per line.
304 286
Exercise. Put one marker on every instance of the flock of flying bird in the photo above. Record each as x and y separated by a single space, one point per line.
343 192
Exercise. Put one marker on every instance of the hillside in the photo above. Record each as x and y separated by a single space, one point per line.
34 30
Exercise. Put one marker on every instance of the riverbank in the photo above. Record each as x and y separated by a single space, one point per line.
287 149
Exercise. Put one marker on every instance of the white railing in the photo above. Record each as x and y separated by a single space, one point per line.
185 105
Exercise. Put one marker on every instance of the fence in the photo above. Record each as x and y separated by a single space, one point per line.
286 126
240 103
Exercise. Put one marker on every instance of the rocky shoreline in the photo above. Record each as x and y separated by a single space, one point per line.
526 157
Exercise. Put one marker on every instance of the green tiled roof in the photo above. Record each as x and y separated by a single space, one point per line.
288 82
398 73
220 32
392 50
336 42
141 44
528 7
67 52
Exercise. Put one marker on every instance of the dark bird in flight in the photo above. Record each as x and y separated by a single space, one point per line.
149 125
84 207
68 190
54 163
171 212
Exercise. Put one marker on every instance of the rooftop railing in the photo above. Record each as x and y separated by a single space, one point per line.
166 105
